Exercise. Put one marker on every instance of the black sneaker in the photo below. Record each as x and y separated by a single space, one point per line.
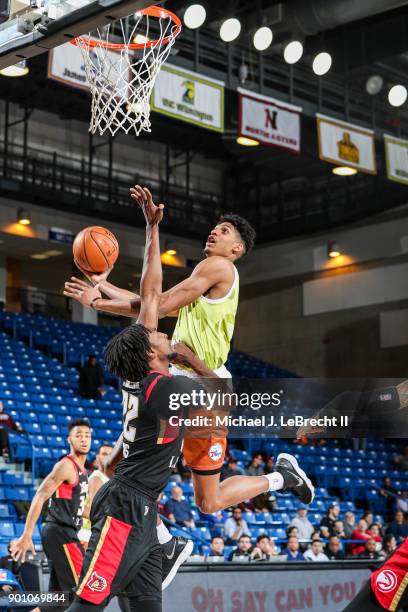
174 553
294 478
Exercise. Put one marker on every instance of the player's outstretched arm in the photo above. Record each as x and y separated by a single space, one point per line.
62 471
114 458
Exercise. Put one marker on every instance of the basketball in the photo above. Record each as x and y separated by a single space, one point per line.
95 249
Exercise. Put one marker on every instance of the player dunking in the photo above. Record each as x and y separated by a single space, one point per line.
207 302
65 489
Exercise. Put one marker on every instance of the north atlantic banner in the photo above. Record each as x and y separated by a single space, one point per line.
269 121
189 97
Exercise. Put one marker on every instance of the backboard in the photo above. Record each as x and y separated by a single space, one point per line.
32 27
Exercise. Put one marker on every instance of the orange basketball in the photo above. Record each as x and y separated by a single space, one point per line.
95 249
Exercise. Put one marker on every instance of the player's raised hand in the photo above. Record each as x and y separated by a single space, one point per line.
20 547
81 292
153 213
93 278
182 355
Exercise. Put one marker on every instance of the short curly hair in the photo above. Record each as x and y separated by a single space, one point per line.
244 229
127 354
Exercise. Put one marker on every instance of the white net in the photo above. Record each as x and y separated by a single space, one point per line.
121 78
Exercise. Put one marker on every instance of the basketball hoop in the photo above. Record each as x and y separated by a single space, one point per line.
121 75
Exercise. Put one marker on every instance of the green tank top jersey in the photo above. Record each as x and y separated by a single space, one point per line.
207 326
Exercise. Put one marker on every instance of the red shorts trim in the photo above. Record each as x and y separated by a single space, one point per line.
96 585
75 559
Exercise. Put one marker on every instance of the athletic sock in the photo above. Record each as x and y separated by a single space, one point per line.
275 481
163 533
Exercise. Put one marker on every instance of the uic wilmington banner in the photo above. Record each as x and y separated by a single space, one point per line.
346 144
189 97
269 121
396 155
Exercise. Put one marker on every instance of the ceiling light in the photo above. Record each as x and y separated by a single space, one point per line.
397 95
333 250
344 171
23 217
46 254
322 63
16 70
140 39
374 84
293 52
230 29
194 16
247 142
170 248
263 38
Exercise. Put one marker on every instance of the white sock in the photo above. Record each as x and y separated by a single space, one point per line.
163 533
275 481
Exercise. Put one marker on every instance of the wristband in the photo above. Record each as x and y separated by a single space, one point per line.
93 302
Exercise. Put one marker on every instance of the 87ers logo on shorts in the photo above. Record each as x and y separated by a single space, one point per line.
386 581
97 583
215 452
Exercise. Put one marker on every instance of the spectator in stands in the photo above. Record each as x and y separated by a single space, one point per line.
398 527
389 545
255 468
390 493
368 516
338 530
361 533
91 379
6 423
333 549
243 549
316 535
304 526
178 509
401 461
217 547
292 531
315 552
269 465
264 549
231 469
370 551
235 526
292 550
327 523
349 524
402 502
8 562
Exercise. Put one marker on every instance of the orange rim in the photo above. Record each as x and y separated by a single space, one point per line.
151 11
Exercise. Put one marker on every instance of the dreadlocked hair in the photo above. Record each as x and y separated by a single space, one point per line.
244 229
127 353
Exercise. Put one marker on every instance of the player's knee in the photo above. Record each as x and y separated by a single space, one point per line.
208 506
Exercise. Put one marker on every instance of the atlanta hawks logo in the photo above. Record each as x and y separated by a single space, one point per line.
215 452
97 583
386 581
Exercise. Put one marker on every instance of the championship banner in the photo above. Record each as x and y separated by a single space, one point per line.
396 156
66 65
346 144
187 96
269 121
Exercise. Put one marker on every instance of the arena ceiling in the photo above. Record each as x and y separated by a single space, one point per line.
282 193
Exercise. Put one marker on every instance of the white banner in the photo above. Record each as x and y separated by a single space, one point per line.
346 144
190 97
396 155
269 121
315 590
66 65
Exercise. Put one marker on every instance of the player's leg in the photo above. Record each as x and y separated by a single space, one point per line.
145 590
175 550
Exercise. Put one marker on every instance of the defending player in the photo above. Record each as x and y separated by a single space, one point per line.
65 489
124 555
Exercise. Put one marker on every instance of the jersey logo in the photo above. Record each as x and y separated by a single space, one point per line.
97 583
146 510
386 581
215 452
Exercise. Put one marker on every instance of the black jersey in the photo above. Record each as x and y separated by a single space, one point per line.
152 442
67 504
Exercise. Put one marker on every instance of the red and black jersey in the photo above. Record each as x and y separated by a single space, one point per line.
151 443
67 504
